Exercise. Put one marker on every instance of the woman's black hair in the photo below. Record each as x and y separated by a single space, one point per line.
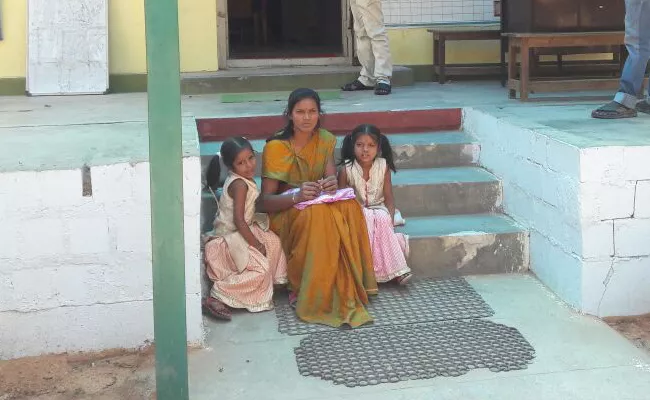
294 98
229 151
385 150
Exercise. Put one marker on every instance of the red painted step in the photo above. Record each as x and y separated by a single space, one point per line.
261 127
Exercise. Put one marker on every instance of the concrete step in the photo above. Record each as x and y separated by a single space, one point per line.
458 245
446 191
425 192
411 150
433 149
245 80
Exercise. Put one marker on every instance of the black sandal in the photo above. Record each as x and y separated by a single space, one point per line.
355 86
383 89
613 110
643 106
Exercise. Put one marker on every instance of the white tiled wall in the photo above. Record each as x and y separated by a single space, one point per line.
413 12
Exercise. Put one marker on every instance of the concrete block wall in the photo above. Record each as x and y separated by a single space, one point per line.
586 209
616 196
75 271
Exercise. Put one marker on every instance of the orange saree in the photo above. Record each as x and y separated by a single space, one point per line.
329 263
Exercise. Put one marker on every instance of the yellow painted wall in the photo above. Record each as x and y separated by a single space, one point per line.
13 48
198 36
127 55
126 38
414 46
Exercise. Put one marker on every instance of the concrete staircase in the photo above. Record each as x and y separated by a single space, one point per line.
242 80
451 205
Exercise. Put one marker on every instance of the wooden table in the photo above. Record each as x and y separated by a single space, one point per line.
522 43
440 36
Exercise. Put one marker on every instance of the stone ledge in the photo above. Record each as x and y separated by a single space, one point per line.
95 327
578 201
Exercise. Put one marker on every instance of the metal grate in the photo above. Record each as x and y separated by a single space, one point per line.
408 352
425 300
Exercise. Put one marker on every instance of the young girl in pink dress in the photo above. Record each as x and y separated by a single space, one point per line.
367 160
244 259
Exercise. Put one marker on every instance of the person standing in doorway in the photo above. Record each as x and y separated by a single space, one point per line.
372 48
626 103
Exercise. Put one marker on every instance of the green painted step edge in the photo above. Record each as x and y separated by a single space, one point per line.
437 176
452 138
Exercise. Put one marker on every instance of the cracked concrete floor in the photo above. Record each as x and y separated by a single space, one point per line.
578 358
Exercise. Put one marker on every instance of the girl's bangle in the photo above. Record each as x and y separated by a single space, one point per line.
293 198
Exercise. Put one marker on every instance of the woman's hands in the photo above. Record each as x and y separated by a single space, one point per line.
329 184
311 190
308 191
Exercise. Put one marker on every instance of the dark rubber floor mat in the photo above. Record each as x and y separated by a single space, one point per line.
408 352
425 300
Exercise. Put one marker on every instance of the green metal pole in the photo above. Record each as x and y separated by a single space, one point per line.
165 156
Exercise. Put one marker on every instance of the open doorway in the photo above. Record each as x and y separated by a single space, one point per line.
285 29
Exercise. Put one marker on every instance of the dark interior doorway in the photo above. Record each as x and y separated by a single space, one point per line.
284 28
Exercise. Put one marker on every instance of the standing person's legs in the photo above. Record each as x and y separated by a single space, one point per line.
373 21
637 41
363 45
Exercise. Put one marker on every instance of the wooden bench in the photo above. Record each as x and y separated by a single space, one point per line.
440 36
524 43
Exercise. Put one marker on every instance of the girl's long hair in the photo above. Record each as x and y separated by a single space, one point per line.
229 151
294 98
385 149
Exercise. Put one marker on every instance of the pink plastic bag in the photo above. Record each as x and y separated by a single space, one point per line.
341 194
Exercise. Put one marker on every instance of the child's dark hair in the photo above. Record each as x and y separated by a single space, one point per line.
385 150
294 98
229 151
213 174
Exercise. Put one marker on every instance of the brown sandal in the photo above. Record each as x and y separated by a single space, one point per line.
404 279
216 308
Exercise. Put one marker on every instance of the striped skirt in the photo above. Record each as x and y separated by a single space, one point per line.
251 289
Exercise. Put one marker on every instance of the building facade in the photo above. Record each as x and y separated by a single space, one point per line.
221 34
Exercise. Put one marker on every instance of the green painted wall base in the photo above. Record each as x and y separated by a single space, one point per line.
12 86
212 82
127 83
132 83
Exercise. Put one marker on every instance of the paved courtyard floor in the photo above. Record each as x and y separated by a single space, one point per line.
577 357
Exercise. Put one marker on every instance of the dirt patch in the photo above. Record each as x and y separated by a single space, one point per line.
110 375
637 329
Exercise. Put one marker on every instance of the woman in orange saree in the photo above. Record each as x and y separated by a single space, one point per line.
329 261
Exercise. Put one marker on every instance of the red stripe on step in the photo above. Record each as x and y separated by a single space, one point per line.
261 127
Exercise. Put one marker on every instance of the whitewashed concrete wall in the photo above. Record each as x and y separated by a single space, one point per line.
75 272
588 211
